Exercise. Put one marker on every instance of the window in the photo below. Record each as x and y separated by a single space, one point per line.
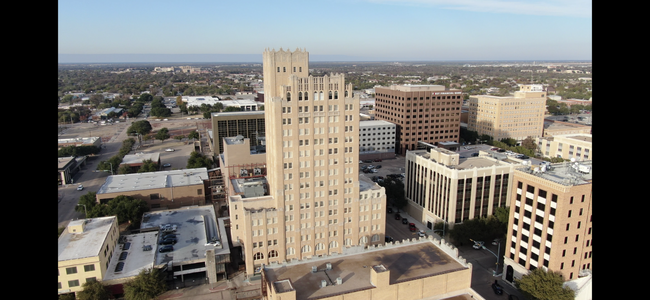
71 270
91 279
73 283
88 268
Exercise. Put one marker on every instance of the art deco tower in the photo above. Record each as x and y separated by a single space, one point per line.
318 205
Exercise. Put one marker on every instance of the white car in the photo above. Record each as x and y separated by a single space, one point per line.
170 150
421 233
478 245
80 187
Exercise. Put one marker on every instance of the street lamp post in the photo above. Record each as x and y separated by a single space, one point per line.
494 273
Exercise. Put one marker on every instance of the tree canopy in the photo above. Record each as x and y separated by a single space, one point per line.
126 208
543 285
395 192
147 285
162 134
197 160
141 127
93 290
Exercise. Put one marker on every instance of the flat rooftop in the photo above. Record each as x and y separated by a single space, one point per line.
87 243
476 162
259 113
375 123
559 125
196 226
566 173
584 138
417 87
137 257
405 262
153 180
366 183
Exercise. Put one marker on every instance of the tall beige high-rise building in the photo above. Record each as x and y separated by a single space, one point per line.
317 203
517 117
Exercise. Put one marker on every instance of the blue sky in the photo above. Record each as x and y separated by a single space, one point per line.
366 30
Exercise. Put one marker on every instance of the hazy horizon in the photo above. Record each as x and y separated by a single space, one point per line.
340 30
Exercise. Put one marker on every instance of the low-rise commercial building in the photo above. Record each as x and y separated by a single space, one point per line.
135 161
566 146
163 189
86 247
553 128
81 141
417 269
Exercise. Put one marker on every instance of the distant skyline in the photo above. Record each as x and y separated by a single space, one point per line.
336 30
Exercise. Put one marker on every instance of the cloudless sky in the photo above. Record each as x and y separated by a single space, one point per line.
371 30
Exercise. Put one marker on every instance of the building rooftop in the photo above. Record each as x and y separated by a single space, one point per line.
138 158
82 140
64 161
153 180
417 87
375 123
196 226
566 173
87 243
585 138
366 183
137 257
239 113
405 262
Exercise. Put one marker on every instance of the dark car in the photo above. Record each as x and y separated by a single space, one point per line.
388 239
167 248
397 217
405 221
497 288
378 167
377 159
389 210
367 161
168 236
412 227
169 241
475 154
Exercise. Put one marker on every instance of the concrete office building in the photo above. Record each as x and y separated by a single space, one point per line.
86 247
316 204
248 124
517 117
377 139
546 195
441 186
553 128
428 113
566 146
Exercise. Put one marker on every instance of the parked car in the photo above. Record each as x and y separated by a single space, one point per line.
388 239
405 221
367 161
421 233
496 241
412 227
397 216
475 154
494 149
167 165
169 241
377 159
497 288
169 150
166 248
389 210
378 167
80 187
168 236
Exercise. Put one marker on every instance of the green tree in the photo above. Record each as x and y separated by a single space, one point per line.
96 99
232 108
142 127
502 214
146 97
147 285
179 137
162 134
93 290
89 201
126 208
197 160
193 135
124 169
529 143
148 166
395 193
68 296
543 285
67 98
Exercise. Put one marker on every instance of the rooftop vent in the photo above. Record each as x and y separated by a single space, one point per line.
339 281
323 283
314 269
328 266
